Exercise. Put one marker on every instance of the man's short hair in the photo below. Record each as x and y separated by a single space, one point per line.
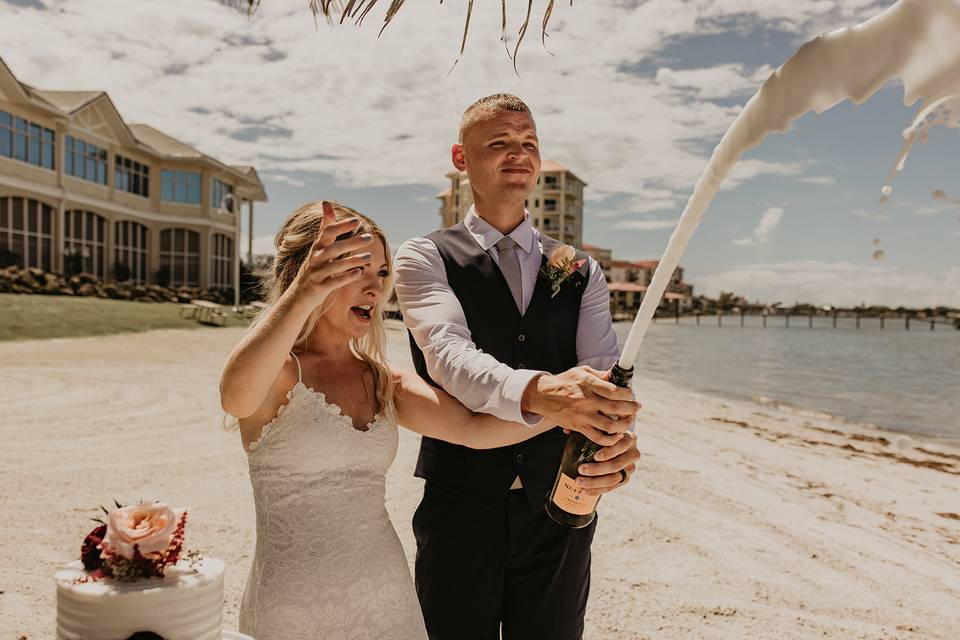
485 108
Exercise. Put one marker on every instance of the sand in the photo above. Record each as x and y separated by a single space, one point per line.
743 520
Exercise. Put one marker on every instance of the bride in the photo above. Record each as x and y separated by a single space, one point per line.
318 408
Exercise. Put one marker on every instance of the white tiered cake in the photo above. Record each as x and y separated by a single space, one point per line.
185 604
134 582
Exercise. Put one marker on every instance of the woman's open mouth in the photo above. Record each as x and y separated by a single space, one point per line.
362 312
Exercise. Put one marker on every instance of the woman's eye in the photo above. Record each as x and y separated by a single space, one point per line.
384 274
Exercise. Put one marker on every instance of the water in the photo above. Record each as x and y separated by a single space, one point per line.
916 41
895 379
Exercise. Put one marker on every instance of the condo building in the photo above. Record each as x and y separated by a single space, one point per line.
555 205
82 190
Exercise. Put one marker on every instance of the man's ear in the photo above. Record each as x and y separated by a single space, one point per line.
457 157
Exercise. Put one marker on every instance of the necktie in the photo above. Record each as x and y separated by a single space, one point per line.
510 267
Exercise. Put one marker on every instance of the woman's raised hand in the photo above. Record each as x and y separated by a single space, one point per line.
329 264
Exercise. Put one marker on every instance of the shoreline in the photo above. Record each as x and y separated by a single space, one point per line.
743 520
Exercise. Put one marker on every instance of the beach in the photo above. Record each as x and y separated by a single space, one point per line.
743 520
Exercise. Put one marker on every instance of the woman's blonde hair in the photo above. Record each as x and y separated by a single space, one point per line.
293 242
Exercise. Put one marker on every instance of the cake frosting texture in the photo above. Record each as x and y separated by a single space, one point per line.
186 604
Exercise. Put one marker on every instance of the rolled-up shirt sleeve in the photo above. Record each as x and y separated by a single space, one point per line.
435 318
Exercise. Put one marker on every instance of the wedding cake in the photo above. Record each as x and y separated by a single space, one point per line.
134 582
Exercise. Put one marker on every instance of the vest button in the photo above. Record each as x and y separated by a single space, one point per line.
521 365
519 458
521 337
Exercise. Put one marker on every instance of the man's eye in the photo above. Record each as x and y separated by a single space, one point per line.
530 145
496 144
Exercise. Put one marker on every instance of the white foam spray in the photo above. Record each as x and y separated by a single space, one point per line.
916 41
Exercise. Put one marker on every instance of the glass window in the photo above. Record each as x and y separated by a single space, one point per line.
25 226
130 254
222 195
180 190
84 160
131 176
166 186
179 254
180 186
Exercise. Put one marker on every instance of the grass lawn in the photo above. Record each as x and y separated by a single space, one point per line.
31 317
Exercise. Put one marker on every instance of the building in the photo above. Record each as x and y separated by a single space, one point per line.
555 205
604 257
629 281
82 190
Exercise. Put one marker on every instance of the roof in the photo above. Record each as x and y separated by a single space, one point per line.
446 192
138 136
552 166
626 286
646 264
68 101
593 247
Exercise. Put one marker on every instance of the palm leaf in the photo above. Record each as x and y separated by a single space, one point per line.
357 10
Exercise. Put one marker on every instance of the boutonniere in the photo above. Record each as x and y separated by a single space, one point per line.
561 264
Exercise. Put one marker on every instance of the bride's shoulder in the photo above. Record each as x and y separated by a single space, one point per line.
251 427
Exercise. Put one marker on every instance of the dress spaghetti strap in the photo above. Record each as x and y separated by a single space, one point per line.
299 371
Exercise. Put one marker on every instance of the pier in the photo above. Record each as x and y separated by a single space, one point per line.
846 320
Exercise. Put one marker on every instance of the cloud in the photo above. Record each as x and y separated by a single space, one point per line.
824 181
644 225
382 111
720 81
863 214
768 223
840 283
279 177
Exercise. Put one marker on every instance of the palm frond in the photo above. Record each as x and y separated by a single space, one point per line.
357 10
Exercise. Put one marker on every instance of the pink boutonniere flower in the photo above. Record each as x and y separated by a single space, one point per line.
561 264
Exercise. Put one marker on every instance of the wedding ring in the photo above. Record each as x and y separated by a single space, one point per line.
623 476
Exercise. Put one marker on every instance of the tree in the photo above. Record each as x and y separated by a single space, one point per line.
357 10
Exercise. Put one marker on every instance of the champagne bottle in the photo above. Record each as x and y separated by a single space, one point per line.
566 504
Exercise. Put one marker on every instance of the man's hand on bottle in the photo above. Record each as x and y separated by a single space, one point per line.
611 467
581 399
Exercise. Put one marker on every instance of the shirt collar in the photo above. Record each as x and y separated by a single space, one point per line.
487 236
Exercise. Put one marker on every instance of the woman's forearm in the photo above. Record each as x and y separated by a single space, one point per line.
435 413
255 362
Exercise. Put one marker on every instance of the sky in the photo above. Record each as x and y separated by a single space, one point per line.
631 96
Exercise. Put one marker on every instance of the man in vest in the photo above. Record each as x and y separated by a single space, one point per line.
490 329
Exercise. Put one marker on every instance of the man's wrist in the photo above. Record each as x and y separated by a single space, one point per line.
530 401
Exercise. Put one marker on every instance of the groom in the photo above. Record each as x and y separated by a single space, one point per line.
487 328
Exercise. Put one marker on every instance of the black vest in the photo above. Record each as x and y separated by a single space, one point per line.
544 339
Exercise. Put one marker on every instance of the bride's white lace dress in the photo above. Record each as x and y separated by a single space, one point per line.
328 562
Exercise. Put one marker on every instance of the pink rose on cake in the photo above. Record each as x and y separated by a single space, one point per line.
135 542
145 527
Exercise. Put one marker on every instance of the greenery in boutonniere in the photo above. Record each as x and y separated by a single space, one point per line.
561 264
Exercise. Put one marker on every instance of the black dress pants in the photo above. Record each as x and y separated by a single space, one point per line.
480 566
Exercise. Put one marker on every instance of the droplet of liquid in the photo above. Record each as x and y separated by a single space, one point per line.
940 193
876 242
886 190
879 254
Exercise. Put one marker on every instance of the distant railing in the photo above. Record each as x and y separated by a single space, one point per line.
812 320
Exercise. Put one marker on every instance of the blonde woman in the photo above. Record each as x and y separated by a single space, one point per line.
318 407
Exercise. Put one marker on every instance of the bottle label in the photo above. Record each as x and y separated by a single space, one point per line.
571 498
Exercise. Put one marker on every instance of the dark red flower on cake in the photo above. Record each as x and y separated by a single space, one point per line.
90 551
